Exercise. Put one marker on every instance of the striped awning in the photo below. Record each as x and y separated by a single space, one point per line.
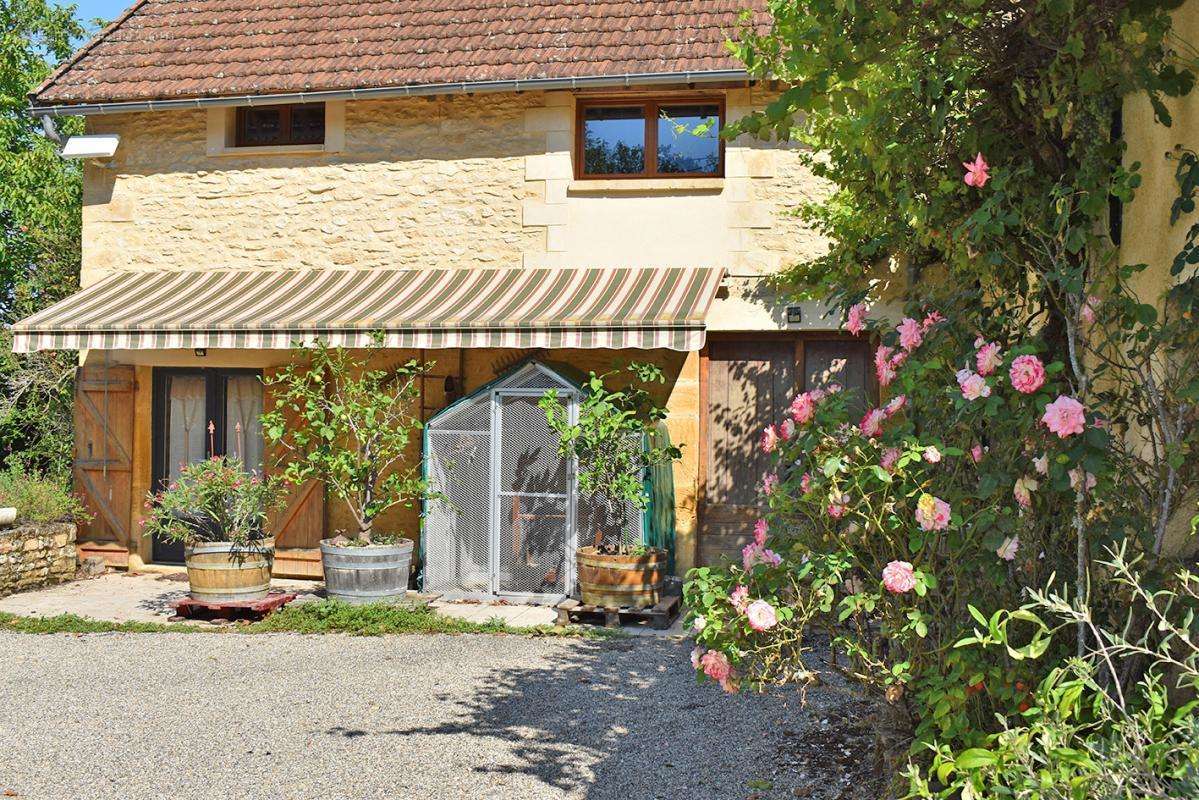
276 308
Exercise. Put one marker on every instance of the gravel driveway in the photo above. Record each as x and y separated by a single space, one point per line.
285 716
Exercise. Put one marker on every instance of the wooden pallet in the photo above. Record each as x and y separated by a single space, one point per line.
659 617
191 608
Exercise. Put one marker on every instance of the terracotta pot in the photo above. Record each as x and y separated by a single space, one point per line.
620 581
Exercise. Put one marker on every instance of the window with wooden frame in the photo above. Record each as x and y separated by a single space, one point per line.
288 124
656 138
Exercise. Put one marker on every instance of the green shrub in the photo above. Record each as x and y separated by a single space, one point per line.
1085 732
38 499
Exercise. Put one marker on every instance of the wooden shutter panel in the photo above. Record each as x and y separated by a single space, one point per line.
103 470
300 525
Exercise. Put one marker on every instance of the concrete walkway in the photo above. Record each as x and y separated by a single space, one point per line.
147 596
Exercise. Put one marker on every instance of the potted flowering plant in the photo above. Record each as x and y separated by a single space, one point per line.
218 510
355 425
608 442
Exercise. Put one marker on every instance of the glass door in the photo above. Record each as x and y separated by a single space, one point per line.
199 413
532 516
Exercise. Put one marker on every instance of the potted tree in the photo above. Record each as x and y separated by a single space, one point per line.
218 510
352 428
611 444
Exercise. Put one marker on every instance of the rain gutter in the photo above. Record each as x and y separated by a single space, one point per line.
627 80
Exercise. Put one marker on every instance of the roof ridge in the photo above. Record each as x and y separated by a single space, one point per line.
83 51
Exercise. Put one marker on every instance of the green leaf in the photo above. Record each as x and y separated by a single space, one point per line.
974 758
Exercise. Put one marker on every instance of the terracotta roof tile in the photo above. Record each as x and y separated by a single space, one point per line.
162 49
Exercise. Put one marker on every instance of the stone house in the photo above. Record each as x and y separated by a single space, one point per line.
490 184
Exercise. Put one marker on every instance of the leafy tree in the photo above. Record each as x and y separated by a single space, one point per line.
611 440
39 235
976 155
353 427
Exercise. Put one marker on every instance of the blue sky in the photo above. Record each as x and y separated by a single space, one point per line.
87 10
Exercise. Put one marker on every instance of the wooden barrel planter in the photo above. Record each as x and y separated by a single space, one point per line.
616 581
224 572
371 574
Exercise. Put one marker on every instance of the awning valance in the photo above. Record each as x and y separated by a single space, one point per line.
274 308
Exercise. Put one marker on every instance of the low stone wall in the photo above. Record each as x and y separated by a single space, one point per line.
32 556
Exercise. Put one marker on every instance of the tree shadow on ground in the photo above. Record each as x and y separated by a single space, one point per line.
623 719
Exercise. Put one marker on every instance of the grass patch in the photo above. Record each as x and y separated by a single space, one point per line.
71 623
323 616
331 616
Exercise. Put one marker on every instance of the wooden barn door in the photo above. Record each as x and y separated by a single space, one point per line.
750 384
300 525
103 470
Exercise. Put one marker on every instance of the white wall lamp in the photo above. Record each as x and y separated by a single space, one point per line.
96 148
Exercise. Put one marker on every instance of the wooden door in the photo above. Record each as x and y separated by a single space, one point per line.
841 361
103 469
299 525
750 384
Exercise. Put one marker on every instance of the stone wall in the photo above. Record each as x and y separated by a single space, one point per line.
32 556
454 181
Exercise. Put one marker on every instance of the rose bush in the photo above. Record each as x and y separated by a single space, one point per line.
884 528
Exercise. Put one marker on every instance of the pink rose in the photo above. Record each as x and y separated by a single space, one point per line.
883 367
932 319
1065 416
1007 550
1077 479
699 623
988 358
977 173
716 665
872 423
805 483
899 577
836 511
770 482
787 429
856 319
1041 464
760 531
888 459
896 405
770 439
932 455
1023 490
803 408
910 334
739 598
761 615
1087 311
753 554
1027 374
973 385
932 513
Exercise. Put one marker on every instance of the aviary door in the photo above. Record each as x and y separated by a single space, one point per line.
534 499
750 384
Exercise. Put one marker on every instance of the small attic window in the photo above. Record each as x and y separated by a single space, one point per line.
289 124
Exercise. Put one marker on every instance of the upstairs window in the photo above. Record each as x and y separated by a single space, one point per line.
650 139
269 126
